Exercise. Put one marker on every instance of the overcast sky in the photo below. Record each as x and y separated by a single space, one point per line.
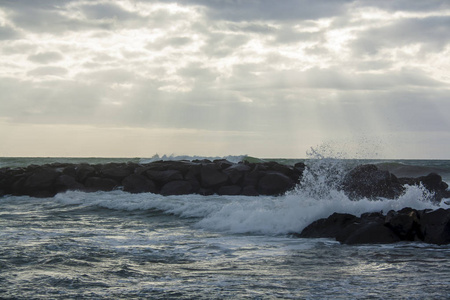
266 78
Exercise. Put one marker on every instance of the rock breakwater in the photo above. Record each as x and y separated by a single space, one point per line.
162 177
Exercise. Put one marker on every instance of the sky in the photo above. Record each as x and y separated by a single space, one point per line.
134 78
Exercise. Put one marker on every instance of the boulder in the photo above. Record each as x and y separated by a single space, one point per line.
329 227
432 182
115 171
231 190
94 184
249 191
84 171
135 183
210 176
163 177
435 226
274 183
367 181
178 187
405 223
66 182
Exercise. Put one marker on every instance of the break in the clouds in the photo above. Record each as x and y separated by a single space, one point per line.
258 77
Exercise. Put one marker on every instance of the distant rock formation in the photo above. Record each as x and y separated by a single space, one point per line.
162 177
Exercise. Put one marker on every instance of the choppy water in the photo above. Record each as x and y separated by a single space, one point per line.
110 245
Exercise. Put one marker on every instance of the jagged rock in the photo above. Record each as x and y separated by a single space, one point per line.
178 187
370 182
135 183
274 183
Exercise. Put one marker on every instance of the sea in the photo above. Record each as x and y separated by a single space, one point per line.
116 245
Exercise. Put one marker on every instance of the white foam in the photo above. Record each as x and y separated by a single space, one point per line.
172 157
242 214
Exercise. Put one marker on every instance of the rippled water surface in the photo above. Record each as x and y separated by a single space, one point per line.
116 245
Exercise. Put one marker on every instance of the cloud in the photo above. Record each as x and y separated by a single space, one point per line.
45 57
48 71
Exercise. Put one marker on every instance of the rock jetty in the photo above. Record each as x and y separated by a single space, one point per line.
428 226
203 177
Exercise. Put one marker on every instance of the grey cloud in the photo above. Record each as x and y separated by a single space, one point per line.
107 11
8 33
432 32
406 5
237 10
45 57
48 71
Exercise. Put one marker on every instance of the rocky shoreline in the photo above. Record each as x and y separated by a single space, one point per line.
202 177
222 177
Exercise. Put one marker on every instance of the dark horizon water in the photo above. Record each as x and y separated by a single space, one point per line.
115 245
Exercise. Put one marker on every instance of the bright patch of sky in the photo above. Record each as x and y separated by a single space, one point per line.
263 78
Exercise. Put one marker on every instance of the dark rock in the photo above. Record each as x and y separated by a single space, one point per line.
41 178
211 177
435 226
236 172
251 178
372 232
405 223
66 182
274 183
179 187
223 163
370 182
135 183
115 171
231 190
249 191
94 184
432 182
163 177
84 171
329 227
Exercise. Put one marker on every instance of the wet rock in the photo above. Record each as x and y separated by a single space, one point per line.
367 181
250 191
432 182
178 187
94 184
115 171
405 223
84 171
374 228
435 226
135 183
66 182
211 176
230 190
163 177
274 183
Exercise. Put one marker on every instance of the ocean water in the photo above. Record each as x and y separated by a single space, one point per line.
115 245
